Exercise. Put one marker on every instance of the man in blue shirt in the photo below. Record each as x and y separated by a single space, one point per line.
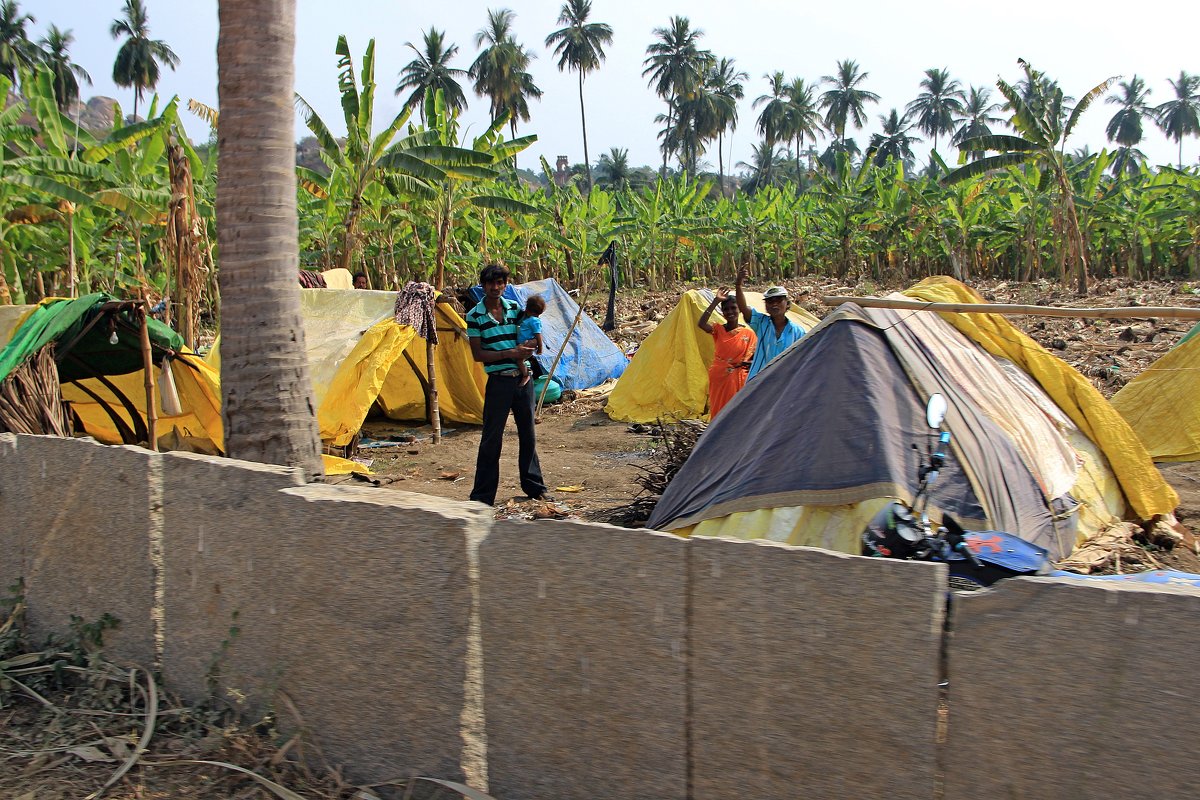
492 332
775 331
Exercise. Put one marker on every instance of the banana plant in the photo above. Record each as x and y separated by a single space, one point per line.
465 172
363 159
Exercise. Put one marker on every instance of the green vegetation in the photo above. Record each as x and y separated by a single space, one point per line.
82 210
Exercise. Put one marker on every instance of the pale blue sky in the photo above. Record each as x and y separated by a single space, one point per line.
1078 43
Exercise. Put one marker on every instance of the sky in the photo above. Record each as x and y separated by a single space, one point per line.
1078 43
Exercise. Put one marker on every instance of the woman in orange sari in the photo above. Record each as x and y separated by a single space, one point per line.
734 348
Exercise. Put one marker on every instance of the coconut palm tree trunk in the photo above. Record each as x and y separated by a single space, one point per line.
268 407
587 162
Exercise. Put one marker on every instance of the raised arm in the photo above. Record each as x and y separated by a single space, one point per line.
703 323
743 306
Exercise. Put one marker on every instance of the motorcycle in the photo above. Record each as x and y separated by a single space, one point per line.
976 559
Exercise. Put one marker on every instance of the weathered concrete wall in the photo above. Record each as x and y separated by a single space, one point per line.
584 649
78 519
1062 688
221 538
372 636
352 602
814 674
12 505
614 663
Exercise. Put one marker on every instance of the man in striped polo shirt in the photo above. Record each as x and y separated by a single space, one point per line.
492 331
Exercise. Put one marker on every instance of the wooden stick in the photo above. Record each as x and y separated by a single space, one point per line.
1124 312
554 364
435 416
148 368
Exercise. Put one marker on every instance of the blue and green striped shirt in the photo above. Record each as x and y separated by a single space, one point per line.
495 335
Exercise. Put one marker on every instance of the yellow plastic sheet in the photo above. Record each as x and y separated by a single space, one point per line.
668 376
1147 494
1163 404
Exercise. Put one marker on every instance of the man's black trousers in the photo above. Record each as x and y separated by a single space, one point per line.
502 395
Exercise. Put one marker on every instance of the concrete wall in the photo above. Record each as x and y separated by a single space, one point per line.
585 661
414 635
1067 688
814 673
79 520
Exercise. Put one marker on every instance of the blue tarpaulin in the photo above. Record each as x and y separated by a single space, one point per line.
590 358
1164 576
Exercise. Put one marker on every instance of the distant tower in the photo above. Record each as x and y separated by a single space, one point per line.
560 171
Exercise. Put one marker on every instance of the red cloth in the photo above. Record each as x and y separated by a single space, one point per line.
727 374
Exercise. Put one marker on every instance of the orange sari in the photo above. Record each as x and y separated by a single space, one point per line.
727 375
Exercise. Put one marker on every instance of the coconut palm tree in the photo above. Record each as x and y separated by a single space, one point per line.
977 119
895 142
937 106
675 66
16 50
766 166
724 81
804 122
501 70
430 71
1125 127
846 101
773 120
67 74
1044 118
1181 116
580 47
613 168
137 60
267 398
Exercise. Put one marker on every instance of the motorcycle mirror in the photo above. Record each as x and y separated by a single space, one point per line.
935 411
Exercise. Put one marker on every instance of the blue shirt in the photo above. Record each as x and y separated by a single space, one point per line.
769 344
493 335
530 327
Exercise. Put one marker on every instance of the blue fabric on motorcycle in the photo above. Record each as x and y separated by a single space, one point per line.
590 357
1167 577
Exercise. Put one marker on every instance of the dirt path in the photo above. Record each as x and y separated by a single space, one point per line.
578 448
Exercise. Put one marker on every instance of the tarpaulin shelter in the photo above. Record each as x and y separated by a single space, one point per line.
1162 404
358 357
822 439
96 346
668 376
590 357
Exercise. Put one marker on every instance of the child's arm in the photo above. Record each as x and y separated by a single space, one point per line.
538 337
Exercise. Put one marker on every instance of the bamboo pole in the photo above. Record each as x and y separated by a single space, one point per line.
1123 312
557 356
148 369
435 415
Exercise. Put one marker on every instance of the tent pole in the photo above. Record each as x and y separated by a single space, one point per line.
148 370
554 364
1135 312
435 416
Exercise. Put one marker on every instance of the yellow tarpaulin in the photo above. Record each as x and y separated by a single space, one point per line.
1145 490
199 390
668 376
1163 404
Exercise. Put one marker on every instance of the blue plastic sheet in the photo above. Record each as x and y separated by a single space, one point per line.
590 357
1163 576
